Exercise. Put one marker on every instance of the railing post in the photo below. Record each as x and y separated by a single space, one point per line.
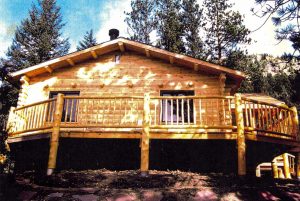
241 142
295 121
145 135
298 165
296 132
55 134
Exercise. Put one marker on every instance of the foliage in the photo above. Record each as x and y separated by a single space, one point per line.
88 41
8 91
36 40
285 15
253 67
6 164
192 20
141 20
262 78
170 30
224 29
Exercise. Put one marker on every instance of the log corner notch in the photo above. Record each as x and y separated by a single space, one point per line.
222 80
241 142
23 94
54 140
145 136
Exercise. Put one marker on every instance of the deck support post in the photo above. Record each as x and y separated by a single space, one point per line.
286 166
241 141
55 134
275 169
145 136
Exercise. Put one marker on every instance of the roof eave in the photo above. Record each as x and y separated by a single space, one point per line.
237 75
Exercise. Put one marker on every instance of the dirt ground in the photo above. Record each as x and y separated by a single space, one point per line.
105 185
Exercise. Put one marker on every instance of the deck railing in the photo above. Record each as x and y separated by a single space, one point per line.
33 117
107 112
205 113
268 118
191 111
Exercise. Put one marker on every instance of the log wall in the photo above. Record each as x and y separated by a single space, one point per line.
134 75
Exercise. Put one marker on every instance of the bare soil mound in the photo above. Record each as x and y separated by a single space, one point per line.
129 185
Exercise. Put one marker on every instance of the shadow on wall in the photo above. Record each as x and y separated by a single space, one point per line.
121 154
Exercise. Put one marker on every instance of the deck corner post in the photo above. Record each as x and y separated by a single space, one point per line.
241 141
295 121
55 133
145 136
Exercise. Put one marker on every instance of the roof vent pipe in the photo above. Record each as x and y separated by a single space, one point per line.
113 33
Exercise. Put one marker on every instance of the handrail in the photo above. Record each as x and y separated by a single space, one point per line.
192 97
283 106
103 97
34 104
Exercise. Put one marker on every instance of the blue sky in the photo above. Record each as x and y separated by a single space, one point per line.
101 15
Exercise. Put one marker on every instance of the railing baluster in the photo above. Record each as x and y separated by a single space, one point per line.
72 112
259 116
200 111
177 111
229 112
194 112
224 112
155 112
182 111
267 117
172 111
166 111
254 108
188 111
270 117
246 112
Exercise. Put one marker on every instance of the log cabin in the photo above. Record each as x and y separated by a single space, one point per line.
122 89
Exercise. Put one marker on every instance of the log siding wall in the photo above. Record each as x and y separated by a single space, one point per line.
134 75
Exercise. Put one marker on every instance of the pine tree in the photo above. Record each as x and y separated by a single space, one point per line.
193 20
224 29
170 30
141 20
36 40
39 37
88 41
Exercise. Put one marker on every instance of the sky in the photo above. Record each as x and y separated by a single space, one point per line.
101 15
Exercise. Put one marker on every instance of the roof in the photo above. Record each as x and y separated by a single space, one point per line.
123 44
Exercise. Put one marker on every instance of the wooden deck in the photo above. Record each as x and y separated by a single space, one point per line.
155 117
